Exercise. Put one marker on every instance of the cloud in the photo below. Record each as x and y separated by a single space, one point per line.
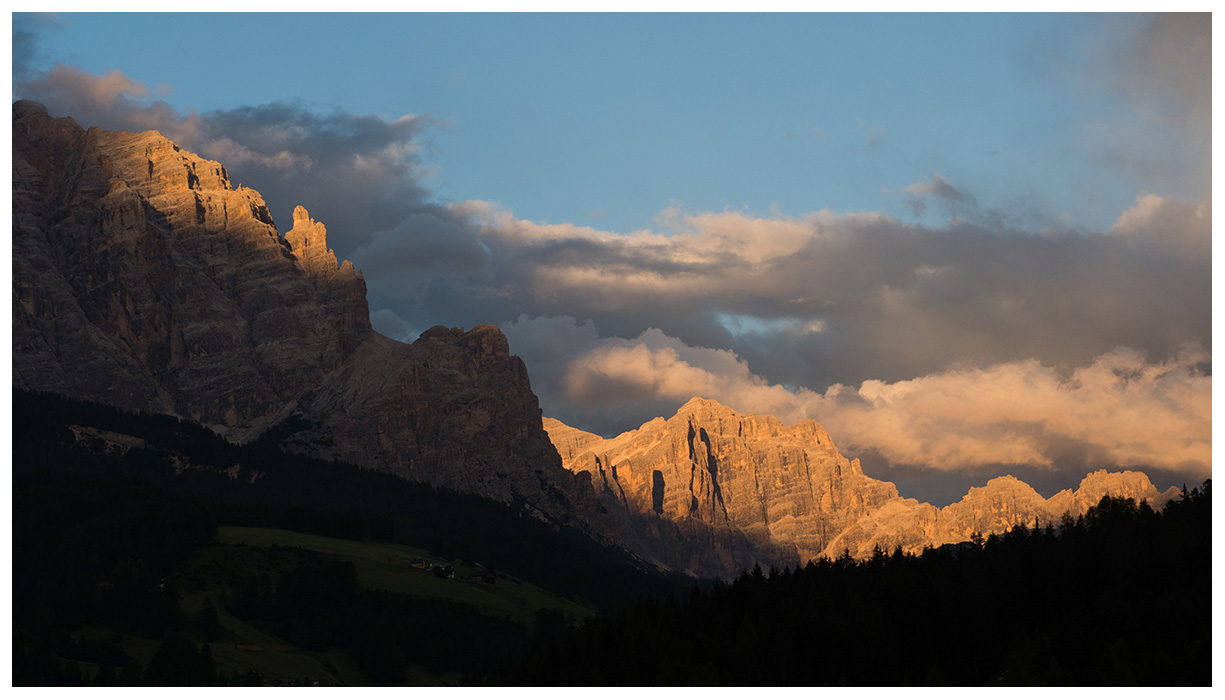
1164 68
957 201
806 301
358 173
1119 411
614 384
1150 77
390 324
1165 229
873 134
940 187
656 366
27 26
892 301
942 348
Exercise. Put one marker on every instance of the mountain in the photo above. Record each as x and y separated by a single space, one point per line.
142 278
788 490
145 280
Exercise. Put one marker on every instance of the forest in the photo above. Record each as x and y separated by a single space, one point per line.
1118 596
109 587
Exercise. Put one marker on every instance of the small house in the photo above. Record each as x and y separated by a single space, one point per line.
487 577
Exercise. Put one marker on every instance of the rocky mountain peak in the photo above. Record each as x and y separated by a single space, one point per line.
308 242
142 279
1125 484
745 486
748 488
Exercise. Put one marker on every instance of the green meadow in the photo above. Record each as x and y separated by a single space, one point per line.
389 567
210 574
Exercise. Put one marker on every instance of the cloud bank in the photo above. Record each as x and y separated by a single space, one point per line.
1121 410
830 298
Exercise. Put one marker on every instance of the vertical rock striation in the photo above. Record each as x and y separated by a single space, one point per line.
790 495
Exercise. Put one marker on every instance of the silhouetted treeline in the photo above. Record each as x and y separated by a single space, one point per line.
1120 596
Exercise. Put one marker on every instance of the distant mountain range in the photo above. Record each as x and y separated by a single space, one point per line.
789 486
143 279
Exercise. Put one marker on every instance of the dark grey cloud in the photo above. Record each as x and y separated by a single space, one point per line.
825 299
356 173
359 171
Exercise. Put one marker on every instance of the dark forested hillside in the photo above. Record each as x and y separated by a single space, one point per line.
1120 596
108 505
111 512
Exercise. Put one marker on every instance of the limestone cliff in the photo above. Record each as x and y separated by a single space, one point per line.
790 493
142 278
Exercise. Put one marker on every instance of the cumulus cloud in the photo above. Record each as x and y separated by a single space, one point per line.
655 366
1119 411
824 298
946 348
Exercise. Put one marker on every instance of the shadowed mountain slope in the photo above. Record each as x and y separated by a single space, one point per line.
143 279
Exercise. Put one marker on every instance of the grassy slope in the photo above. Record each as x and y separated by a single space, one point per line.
389 567
242 646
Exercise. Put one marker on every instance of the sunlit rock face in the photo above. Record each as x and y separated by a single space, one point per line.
143 279
788 490
992 509
781 486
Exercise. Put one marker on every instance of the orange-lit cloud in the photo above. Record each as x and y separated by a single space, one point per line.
1119 411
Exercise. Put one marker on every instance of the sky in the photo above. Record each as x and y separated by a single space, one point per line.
967 244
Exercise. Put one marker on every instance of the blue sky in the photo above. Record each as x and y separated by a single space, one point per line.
608 119
969 244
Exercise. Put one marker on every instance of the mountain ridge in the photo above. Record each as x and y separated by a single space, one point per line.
143 279
790 486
